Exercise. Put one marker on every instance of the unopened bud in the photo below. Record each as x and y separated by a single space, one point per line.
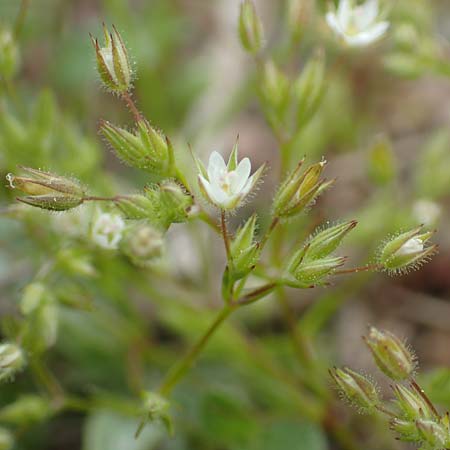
145 148
309 89
12 360
407 251
328 240
143 244
381 162
27 410
356 388
175 202
9 54
46 190
298 13
155 409
298 190
33 296
411 404
406 430
135 206
112 61
432 433
250 27
274 88
391 355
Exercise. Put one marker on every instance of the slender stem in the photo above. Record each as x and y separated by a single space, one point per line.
255 295
226 238
358 269
94 198
421 392
384 410
275 222
182 367
132 107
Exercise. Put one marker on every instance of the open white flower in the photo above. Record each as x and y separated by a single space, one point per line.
357 25
225 186
107 230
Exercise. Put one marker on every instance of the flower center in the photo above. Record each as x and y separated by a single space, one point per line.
226 180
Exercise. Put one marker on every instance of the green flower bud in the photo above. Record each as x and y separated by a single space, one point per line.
407 430
250 27
175 202
27 410
298 190
143 244
274 88
391 355
432 433
328 240
113 64
46 190
145 148
411 404
33 296
244 250
356 388
6 439
381 162
310 273
135 206
155 409
12 360
297 14
309 89
407 251
9 54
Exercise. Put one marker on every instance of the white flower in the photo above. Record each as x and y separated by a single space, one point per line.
357 25
426 211
410 247
107 230
226 186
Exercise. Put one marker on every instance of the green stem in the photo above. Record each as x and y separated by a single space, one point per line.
226 239
179 370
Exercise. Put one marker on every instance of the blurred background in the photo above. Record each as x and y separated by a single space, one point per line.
107 330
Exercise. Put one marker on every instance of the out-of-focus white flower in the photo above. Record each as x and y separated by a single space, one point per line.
225 186
426 211
413 245
357 25
107 230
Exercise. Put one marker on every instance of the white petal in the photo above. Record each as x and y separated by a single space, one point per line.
366 14
368 37
216 166
344 13
213 192
333 23
242 173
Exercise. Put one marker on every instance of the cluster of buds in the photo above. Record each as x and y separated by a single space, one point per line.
313 263
113 63
414 417
407 251
250 28
146 148
299 190
46 190
161 204
227 185
12 360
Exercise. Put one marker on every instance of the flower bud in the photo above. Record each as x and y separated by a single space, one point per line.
145 148
6 439
46 190
328 240
406 429
33 296
407 251
356 388
391 355
274 88
310 273
250 27
143 244
9 54
411 404
27 410
113 64
309 89
381 162
155 409
298 190
12 360
298 14
174 203
135 206
244 250
432 433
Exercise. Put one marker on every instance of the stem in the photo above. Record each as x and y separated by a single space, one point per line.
358 269
226 239
256 294
94 198
132 107
177 372
421 392
383 410
275 222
